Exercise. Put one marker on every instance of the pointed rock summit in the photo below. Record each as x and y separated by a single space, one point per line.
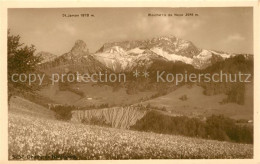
79 48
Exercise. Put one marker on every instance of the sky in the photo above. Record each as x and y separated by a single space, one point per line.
225 29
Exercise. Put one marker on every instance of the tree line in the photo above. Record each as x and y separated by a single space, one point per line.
216 127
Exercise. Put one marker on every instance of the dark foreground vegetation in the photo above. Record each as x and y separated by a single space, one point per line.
63 112
215 127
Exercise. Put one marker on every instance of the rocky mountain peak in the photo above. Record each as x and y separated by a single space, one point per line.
79 47
165 37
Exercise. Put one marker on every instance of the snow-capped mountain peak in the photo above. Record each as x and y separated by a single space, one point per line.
128 55
125 55
116 49
171 57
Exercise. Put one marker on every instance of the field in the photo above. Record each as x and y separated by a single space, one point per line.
199 104
93 95
33 137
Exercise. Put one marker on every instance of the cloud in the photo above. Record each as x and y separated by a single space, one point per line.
65 27
234 38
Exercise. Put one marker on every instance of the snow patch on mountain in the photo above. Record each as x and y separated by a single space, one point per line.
204 55
136 50
113 60
181 45
118 59
171 57
116 50
223 55
164 38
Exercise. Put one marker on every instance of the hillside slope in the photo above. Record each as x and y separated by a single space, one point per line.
93 95
42 138
199 104
117 117
19 105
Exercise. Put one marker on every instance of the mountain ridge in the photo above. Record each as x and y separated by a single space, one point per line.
170 48
125 56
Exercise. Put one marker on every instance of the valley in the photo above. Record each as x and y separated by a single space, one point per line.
167 54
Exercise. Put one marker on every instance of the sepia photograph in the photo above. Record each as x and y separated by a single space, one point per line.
130 83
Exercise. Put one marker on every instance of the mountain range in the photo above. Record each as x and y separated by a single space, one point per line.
169 54
128 55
